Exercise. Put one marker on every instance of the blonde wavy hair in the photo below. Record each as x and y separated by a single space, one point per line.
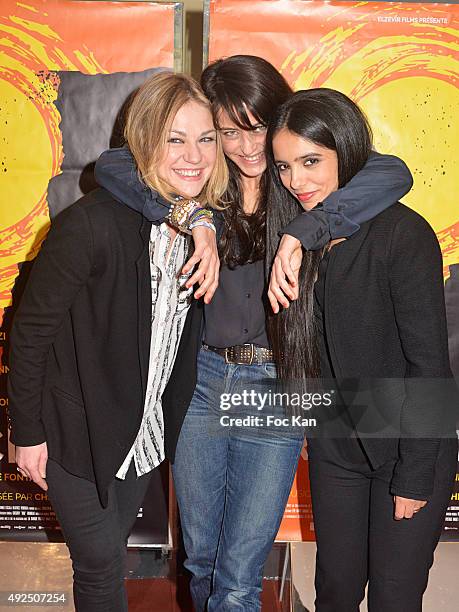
148 124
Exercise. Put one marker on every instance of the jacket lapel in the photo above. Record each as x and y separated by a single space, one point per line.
144 302
344 262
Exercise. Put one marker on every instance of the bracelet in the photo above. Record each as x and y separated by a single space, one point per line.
188 214
179 215
201 217
203 224
201 213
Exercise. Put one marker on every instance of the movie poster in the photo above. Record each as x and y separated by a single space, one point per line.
400 63
67 69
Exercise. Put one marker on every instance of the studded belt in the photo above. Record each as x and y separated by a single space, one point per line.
243 354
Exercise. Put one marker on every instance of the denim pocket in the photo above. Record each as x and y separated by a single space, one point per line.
270 370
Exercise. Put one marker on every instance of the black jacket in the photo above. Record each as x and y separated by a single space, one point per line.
80 340
385 327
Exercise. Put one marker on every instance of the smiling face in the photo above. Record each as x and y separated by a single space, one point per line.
191 150
308 170
246 148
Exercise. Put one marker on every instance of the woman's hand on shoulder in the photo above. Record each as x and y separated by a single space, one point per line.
283 283
406 508
206 255
31 461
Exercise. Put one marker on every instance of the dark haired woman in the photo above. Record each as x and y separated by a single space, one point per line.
383 455
232 484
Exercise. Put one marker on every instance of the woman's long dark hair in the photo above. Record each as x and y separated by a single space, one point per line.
239 84
330 119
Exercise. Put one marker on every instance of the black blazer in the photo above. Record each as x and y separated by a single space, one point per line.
80 340
385 326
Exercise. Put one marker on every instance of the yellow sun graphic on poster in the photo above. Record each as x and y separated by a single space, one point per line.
31 144
38 39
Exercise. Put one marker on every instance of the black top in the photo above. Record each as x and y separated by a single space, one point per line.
236 314
335 436
319 295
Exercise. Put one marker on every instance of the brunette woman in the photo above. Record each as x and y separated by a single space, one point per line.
232 483
97 330
383 461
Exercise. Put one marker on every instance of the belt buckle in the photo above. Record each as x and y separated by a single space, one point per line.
239 362
252 352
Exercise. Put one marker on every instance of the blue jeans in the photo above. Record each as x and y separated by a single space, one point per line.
232 485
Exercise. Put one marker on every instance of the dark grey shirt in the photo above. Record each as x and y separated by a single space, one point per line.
236 314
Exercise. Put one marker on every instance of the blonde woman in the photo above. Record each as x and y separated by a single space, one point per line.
96 334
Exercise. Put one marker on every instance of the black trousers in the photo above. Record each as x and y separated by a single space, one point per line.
359 541
96 536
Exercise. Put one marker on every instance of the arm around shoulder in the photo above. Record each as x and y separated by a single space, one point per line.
116 171
382 181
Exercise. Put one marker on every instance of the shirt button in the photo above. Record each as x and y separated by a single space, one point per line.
246 331
247 295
